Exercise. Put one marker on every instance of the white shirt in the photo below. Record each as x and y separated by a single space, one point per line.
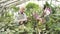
20 17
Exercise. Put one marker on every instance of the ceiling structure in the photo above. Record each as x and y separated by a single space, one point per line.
11 2
7 3
16 2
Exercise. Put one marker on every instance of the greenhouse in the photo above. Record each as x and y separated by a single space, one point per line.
29 16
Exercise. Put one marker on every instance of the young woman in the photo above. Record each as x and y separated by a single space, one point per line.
46 12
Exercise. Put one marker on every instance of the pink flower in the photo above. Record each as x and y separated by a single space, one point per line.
35 15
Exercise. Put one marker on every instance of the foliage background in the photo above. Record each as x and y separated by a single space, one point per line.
7 24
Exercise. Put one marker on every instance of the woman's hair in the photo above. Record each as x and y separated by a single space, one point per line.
44 7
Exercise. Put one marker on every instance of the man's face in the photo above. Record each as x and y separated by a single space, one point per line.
22 10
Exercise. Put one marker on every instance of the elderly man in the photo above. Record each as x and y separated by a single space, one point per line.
21 16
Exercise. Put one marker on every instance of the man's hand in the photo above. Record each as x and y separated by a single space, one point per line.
22 21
